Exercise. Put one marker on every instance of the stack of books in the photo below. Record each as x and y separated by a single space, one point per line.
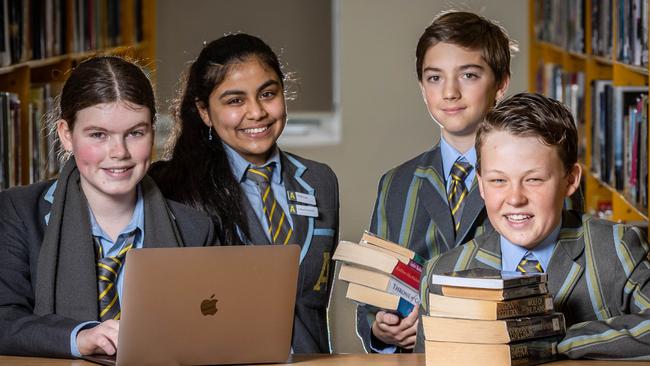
380 273
488 317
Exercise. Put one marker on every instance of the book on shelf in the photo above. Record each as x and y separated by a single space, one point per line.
487 278
561 22
368 257
492 331
380 299
456 307
378 280
530 352
495 294
601 28
632 32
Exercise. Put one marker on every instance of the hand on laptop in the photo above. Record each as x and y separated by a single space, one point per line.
100 339
390 329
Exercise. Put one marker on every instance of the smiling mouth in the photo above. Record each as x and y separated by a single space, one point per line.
117 170
518 218
256 130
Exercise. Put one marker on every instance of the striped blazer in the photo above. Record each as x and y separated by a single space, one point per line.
599 276
412 210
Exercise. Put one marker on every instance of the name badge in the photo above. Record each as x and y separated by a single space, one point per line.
302 210
305 198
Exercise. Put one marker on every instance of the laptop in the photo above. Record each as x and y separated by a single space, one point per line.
207 305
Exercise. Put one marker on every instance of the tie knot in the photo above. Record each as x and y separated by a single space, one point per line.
260 174
460 169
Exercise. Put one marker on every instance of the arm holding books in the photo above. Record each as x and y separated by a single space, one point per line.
390 329
625 333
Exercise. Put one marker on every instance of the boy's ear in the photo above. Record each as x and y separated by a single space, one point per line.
203 112
573 179
503 88
424 95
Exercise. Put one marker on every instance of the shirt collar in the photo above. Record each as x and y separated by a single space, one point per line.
239 165
449 156
136 223
511 254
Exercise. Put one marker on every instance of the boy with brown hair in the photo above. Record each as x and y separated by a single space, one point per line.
598 271
430 203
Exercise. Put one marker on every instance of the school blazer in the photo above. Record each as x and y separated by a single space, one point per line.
599 276
22 227
412 210
317 237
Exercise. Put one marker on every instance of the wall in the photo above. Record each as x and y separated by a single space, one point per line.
384 121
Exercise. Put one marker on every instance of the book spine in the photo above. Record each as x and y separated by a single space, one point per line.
407 274
535 327
397 287
415 265
524 307
523 291
534 352
404 308
418 259
524 281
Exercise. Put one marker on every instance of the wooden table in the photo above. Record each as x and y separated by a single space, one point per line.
318 360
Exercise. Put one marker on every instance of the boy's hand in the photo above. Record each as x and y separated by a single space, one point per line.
390 329
100 339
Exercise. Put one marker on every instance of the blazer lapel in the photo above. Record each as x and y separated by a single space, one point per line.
292 172
563 270
433 194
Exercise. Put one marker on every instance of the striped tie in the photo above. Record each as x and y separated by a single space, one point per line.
458 190
108 269
279 228
529 264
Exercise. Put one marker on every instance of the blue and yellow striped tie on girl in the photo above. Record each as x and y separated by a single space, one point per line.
529 264
458 190
279 228
108 269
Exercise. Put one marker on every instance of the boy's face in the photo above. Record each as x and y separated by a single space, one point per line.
524 183
459 88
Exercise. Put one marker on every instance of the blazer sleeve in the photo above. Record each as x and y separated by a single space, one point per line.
21 331
365 313
626 335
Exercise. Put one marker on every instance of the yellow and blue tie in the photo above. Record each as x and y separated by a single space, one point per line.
458 190
529 264
108 269
279 227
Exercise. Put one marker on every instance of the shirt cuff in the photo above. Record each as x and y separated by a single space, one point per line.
380 347
73 336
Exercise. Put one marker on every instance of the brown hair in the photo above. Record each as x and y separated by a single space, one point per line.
472 31
533 115
98 80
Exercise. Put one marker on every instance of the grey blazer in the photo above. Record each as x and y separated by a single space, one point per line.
412 209
599 276
22 227
318 237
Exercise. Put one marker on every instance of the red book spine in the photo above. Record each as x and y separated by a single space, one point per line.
407 274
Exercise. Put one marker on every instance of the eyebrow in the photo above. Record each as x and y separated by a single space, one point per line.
461 68
102 129
241 92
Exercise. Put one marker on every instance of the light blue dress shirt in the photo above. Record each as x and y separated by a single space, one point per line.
239 166
511 254
449 156
110 248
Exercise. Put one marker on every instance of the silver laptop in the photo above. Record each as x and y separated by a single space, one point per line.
208 305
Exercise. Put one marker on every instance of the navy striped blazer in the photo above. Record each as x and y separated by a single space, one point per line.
412 209
599 276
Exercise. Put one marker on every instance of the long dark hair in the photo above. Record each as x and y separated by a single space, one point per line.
198 172
98 80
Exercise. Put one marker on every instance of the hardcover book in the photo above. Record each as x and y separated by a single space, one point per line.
487 278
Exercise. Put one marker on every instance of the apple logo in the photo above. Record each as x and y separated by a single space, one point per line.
209 306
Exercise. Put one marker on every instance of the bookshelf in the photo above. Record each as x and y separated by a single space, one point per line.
40 41
590 54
